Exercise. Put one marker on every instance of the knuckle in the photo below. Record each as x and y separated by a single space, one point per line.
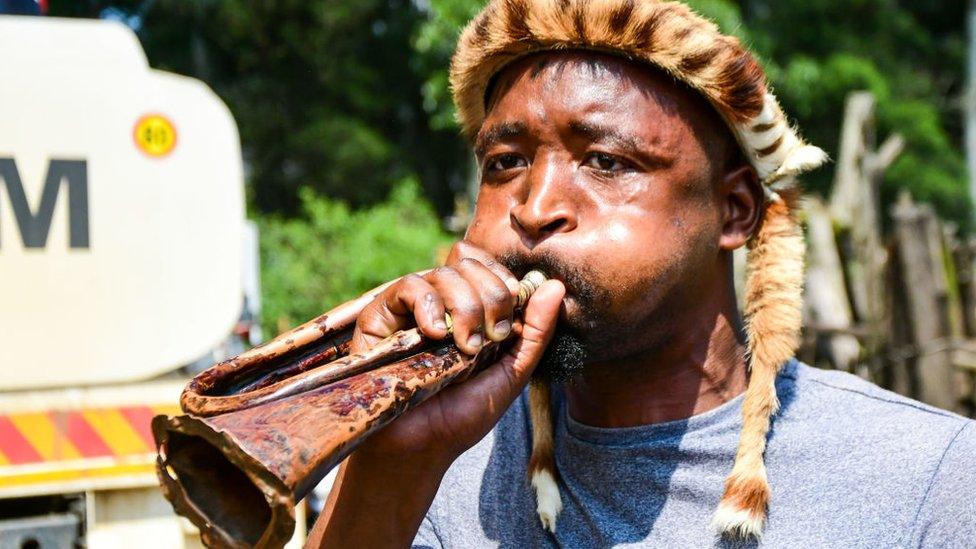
413 278
444 271
432 298
413 283
497 295
459 246
469 308
393 290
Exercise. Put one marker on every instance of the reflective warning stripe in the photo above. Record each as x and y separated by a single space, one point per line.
44 436
115 431
84 437
140 419
62 436
19 477
14 445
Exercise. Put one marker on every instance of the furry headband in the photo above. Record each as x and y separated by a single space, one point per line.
670 36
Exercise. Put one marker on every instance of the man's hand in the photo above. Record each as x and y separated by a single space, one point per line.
479 293
396 471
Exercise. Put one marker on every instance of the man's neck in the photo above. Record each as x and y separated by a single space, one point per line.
698 369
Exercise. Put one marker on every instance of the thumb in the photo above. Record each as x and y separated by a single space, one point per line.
501 383
539 324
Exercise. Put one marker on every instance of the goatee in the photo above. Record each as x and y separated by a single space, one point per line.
569 351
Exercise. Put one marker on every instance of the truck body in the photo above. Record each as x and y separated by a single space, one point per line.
123 246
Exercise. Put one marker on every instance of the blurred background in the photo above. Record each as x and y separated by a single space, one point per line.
185 179
347 126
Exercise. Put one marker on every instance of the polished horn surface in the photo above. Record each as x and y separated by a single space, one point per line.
263 428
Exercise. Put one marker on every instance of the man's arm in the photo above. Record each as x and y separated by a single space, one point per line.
386 486
376 504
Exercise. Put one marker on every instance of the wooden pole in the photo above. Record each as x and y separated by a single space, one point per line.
856 208
826 294
970 102
919 243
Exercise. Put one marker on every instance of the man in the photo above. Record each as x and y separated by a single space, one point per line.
630 186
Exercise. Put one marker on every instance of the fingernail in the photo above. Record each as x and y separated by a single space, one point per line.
440 324
475 341
503 328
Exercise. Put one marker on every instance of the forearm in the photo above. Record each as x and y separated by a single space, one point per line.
377 503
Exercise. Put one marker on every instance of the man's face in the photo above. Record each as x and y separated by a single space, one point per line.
603 172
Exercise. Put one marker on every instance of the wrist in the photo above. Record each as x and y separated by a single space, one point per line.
377 502
378 463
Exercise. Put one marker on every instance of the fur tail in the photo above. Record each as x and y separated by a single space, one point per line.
773 315
542 464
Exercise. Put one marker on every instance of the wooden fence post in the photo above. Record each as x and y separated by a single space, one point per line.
856 209
920 251
826 294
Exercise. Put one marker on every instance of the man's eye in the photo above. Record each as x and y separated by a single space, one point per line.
605 162
504 162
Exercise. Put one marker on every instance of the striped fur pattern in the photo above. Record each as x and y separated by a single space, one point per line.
670 36
542 465
774 286
665 34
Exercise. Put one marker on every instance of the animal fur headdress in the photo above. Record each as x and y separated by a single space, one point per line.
690 48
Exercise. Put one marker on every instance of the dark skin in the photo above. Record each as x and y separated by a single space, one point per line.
612 169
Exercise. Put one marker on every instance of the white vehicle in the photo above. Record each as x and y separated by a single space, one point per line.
123 247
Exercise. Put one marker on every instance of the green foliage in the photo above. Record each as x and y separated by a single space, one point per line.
911 55
723 13
327 94
348 96
334 253
434 43
337 100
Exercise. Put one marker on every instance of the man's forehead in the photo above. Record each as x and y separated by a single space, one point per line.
598 93
601 91
587 127
611 72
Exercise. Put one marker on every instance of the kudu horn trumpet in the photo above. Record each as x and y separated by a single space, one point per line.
263 428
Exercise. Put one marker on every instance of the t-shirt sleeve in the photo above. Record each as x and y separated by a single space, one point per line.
947 517
426 536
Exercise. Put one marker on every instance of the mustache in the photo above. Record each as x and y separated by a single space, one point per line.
579 282
564 358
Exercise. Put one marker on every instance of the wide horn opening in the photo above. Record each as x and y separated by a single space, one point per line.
220 491
233 504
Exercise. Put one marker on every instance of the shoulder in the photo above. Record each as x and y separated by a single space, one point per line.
810 392
839 418
877 457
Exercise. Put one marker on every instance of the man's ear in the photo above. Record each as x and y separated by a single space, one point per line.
742 200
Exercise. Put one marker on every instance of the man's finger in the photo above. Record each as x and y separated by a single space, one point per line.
462 301
502 382
412 300
462 250
540 319
496 299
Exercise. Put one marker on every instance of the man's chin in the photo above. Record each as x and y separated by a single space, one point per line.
564 358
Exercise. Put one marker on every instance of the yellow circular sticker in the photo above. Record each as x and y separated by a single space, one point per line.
155 135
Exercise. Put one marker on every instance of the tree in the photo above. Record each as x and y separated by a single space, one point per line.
911 55
347 97
313 263
326 93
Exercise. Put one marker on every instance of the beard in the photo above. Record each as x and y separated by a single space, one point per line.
581 338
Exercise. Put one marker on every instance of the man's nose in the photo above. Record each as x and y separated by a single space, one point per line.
548 206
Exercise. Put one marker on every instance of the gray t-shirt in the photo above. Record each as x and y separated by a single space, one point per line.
850 465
